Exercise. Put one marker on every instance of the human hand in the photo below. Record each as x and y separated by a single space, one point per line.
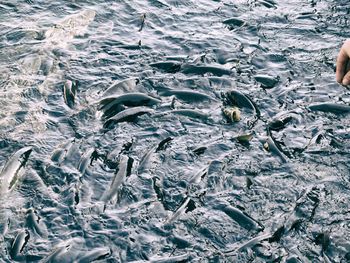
343 64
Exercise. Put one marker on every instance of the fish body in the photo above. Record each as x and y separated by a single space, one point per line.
34 223
69 92
127 115
167 66
19 243
120 86
195 114
13 169
117 181
201 70
114 104
94 255
330 107
186 95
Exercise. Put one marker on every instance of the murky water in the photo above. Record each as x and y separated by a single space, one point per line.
173 131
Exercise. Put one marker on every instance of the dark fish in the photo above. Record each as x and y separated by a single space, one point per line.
195 114
324 240
57 253
127 115
277 235
266 81
240 217
121 86
271 146
201 70
33 222
69 92
279 124
170 259
186 95
330 107
179 211
250 243
236 98
112 105
196 178
200 150
268 3
162 145
110 194
293 259
158 189
167 66
85 160
145 160
143 18
94 255
61 153
233 23
19 243
13 169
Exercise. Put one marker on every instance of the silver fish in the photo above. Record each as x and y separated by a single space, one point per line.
118 179
13 169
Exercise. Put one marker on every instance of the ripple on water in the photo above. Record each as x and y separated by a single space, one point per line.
173 179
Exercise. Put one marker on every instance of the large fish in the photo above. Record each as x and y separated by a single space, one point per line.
13 169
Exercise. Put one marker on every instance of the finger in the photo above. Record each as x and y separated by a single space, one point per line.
346 79
342 62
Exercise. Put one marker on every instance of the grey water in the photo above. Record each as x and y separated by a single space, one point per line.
173 131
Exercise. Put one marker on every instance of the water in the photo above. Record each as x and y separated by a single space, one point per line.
177 183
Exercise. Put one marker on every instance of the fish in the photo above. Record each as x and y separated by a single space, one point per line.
266 81
55 255
233 23
196 178
330 107
143 18
94 255
69 92
279 124
200 150
35 223
167 259
13 169
163 144
19 243
194 114
167 66
157 189
180 210
119 86
201 70
244 138
272 147
186 95
144 162
248 244
240 217
112 105
85 161
127 115
110 194
240 100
